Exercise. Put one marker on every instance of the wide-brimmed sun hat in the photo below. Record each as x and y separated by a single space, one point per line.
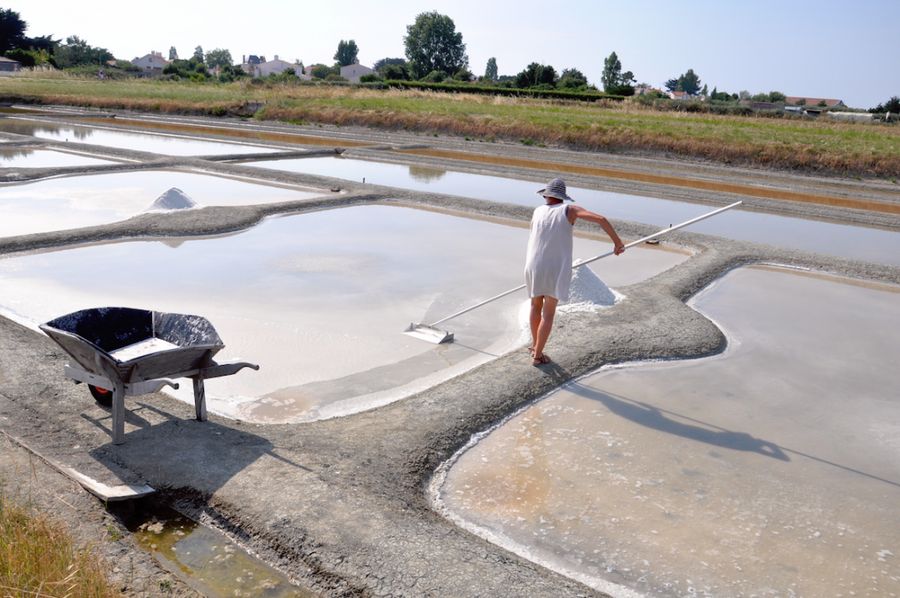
556 189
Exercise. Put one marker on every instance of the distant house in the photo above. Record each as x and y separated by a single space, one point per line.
8 65
680 95
151 64
642 91
258 66
250 64
352 72
813 102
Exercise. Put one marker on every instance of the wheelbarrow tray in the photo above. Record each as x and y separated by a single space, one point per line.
133 351
93 336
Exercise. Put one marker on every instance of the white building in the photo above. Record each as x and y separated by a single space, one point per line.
352 72
258 66
152 63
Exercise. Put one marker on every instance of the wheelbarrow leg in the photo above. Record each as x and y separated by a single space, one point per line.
118 412
200 399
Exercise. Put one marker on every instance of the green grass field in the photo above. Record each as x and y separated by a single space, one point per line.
792 143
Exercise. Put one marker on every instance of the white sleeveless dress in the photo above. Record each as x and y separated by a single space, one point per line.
548 260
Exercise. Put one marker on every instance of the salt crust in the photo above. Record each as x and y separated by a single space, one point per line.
173 199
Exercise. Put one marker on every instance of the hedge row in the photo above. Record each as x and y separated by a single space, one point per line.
499 91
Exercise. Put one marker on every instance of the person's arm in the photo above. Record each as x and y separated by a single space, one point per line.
575 212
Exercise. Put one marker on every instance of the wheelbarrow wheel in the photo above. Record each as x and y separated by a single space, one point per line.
101 395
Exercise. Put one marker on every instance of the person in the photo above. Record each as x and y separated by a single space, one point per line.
548 261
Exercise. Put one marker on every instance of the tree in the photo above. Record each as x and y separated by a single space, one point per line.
173 53
536 74
614 80
320 71
396 72
346 52
12 30
688 83
490 71
433 44
216 59
198 53
77 52
380 64
572 79
892 105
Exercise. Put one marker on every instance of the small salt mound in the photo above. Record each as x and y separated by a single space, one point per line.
587 291
173 199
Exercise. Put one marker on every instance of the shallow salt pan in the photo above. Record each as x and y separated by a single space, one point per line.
74 202
772 468
24 157
796 233
318 300
146 142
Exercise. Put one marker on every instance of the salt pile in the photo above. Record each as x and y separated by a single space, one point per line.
173 199
587 292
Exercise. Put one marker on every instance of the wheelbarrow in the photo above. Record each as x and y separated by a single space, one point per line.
120 351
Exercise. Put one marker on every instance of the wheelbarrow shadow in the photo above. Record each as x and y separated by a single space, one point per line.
201 456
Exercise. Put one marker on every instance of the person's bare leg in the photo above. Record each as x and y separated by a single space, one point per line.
548 311
534 319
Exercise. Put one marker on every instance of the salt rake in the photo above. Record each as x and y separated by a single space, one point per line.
433 334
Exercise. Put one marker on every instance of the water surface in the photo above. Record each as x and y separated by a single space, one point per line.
771 469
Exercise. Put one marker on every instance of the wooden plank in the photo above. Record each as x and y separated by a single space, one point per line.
98 489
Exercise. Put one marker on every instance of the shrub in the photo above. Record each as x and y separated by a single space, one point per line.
434 77
395 71
370 78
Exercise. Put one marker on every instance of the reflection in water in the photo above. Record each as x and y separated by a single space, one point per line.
423 174
775 466
171 145
208 561
34 129
9 154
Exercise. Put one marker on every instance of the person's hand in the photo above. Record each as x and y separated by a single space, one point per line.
619 248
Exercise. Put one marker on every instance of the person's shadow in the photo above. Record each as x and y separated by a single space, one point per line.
655 419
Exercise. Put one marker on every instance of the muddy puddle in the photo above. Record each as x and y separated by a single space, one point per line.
207 560
78 201
781 231
146 142
773 469
318 300
28 157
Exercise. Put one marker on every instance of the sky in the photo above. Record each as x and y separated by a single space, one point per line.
822 49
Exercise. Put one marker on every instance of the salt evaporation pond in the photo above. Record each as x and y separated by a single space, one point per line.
855 242
77 201
773 469
31 157
318 300
157 143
